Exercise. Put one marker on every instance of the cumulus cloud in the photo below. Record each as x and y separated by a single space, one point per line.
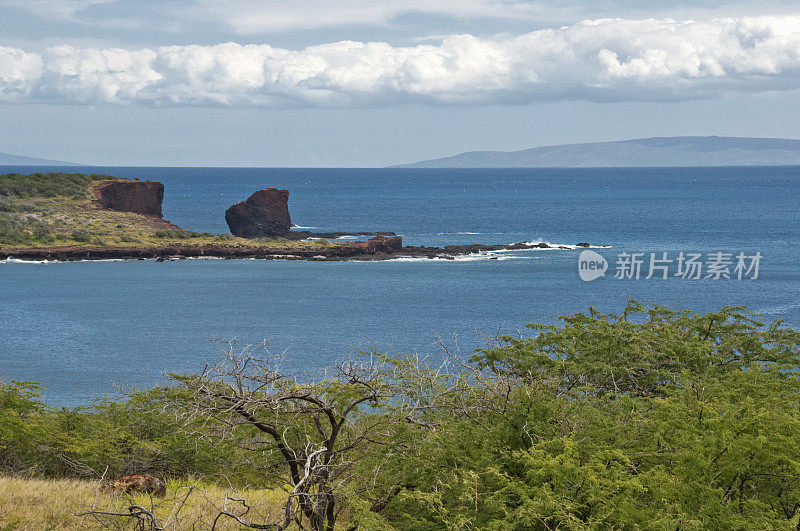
599 60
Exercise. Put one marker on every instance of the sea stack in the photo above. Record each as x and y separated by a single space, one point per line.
139 197
263 214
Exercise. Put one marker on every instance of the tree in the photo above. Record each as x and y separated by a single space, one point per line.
652 418
312 427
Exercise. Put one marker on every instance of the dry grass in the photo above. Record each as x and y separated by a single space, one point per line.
38 504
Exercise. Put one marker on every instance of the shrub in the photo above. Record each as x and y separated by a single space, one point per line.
176 234
75 185
81 236
7 205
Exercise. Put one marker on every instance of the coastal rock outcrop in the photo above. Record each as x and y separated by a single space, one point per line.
380 245
139 197
263 214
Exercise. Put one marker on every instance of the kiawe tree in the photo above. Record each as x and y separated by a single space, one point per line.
314 430
652 418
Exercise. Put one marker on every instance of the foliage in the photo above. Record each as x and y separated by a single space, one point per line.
180 234
73 185
81 236
143 434
651 419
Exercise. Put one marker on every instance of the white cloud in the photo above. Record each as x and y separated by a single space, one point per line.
599 60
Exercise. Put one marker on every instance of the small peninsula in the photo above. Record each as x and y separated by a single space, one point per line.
74 216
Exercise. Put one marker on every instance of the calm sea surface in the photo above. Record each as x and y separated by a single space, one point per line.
79 327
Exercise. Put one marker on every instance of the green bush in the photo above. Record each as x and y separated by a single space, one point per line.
81 236
176 234
7 205
74 185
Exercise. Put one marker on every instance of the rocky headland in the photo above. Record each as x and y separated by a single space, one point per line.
122 219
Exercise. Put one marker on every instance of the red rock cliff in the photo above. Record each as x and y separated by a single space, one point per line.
380 245
140 197
263 214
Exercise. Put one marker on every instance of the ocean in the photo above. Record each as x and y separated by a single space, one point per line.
80 329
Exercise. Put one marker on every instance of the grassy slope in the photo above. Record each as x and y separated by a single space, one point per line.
37 504
56 210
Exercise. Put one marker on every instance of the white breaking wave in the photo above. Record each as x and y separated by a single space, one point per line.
556 246
12 260
19 261
468 233
461 258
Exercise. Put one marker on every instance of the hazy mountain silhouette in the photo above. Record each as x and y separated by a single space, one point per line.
659 151
18 160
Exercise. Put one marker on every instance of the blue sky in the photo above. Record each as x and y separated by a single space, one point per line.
372 83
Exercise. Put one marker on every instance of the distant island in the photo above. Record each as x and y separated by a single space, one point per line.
7 159
642 152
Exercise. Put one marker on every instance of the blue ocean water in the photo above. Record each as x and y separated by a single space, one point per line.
79 327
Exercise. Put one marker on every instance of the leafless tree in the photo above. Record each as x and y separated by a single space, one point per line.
307 425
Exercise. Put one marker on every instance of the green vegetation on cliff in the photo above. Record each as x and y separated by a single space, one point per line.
72 185
58 210
33 207
650 419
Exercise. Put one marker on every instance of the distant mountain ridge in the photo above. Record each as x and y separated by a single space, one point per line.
7 159
656 151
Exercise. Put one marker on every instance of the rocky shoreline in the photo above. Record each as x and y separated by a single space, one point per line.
260 226
378 248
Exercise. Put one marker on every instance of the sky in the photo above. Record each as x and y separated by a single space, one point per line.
361 83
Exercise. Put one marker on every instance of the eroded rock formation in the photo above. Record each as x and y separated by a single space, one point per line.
380 245
140 197
263 214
